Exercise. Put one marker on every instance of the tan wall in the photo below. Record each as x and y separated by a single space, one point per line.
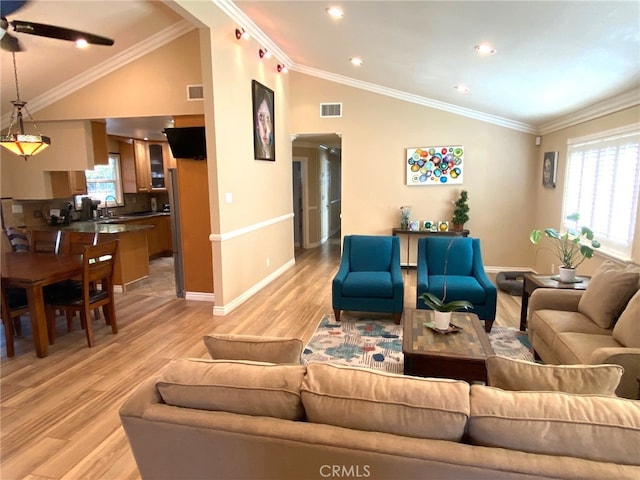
549 201
500 166
151 85
253 235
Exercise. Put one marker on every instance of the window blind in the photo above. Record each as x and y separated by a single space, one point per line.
602 180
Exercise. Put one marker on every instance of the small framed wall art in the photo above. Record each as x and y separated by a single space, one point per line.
264 144
549 169
435 165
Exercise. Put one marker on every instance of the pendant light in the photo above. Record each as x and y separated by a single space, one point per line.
19 142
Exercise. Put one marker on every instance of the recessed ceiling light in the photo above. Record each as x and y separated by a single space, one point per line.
356 61
485 49
335 12
461 88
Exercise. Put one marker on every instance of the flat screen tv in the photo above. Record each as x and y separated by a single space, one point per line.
187 142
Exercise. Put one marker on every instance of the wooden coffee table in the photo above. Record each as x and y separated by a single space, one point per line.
458 355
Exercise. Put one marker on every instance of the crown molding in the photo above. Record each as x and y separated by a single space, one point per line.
408 97
238 16
606 107
127 56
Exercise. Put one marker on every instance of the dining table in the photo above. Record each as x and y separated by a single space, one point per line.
34 271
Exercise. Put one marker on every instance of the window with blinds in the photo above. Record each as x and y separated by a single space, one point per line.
602 179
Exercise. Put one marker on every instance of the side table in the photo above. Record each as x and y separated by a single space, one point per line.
533 281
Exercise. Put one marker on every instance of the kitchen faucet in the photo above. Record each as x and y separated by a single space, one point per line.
107 213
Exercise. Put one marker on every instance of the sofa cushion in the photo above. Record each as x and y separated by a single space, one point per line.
592 427
547 324
609 265
627 329
376 401
572 348
606 296
248 388
512 374
254 347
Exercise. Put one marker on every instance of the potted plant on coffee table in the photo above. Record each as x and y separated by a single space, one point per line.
443 310
571 247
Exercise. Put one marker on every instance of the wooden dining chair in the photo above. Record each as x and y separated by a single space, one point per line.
14 304
97 269
45 241
74 242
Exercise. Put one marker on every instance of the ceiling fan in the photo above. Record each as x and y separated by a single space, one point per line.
12 44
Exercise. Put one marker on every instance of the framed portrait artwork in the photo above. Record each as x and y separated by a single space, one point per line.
549 169
264 143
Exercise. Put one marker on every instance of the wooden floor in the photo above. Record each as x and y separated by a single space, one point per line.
59 414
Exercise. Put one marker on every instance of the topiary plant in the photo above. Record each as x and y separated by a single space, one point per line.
461 211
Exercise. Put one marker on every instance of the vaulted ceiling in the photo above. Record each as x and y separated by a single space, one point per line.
553 59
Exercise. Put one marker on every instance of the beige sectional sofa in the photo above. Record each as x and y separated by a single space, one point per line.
240 419
599 325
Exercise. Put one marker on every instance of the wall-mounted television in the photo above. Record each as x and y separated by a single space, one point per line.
187 142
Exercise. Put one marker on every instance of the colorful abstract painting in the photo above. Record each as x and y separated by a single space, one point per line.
435 165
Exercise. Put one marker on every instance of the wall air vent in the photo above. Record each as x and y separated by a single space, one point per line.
330 110
195 92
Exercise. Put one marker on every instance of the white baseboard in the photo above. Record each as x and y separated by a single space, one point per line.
236 302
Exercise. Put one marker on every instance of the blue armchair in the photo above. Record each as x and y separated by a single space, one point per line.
465 275
369 278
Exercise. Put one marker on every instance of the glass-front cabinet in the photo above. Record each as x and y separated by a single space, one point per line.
152 163
156 163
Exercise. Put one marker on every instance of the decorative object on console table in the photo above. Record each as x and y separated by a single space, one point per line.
405 213
443 226
549 169
434 165
572 247
460 212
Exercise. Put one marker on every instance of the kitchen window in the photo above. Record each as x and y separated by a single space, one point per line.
602 182
104 183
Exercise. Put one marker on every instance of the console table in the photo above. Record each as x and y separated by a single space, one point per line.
425 233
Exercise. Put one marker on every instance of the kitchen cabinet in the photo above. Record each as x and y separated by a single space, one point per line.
67 184
152 161
159 237
99 143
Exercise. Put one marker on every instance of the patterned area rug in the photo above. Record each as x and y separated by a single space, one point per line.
377 343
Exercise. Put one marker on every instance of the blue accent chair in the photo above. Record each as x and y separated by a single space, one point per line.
466 278
369 278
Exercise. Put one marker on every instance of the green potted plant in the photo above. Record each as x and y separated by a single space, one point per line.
443 309
571 248
460 212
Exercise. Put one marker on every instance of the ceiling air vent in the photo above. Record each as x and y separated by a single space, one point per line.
195 92
330 110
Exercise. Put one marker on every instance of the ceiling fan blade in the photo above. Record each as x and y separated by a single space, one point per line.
10 43
60 33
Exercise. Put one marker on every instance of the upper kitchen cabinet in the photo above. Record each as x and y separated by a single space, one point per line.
99 141
67 184
75 146
151 162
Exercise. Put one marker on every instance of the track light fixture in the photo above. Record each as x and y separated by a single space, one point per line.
242 33
264 53
282 68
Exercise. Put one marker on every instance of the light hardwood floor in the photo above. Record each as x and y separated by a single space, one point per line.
59 415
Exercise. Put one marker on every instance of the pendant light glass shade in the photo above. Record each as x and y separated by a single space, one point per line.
20 142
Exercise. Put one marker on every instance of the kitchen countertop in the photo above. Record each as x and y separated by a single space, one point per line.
117 224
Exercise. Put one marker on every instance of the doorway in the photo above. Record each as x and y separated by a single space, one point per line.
316 188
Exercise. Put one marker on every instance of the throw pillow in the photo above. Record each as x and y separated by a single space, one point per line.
247 388
253 347
520 375
627 329
593 427
609 265
18 239
606 296
371 400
